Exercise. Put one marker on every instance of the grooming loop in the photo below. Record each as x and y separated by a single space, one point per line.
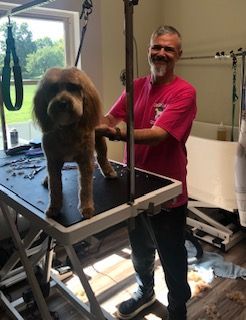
6 74
84 17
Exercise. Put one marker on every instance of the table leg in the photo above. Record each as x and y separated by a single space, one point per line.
95 308
37 293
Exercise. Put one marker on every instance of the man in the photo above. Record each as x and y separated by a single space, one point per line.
164 108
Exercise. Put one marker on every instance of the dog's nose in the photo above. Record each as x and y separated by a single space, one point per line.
63 104
58 107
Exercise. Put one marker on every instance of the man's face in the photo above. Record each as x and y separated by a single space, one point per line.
163 53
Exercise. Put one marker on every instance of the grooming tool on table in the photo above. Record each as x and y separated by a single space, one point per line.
34 172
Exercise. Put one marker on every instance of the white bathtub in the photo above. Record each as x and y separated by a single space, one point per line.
211 167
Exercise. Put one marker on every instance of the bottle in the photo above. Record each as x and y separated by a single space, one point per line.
14 139
221 132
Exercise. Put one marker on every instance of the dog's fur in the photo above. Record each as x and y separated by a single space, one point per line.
67 108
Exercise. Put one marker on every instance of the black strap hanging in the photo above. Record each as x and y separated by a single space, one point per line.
86 10
234 92
6 75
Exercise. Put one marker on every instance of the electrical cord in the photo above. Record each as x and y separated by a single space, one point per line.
102 273
123 71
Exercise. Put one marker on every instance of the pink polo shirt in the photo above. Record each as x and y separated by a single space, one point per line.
171 107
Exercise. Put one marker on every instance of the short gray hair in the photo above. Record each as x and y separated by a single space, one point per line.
165 30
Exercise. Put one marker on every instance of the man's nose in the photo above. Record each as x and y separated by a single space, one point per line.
162 51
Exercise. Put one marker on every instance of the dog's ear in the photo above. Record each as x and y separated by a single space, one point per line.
40 105
92 105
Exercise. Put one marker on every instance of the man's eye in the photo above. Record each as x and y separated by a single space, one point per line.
169 49
156 47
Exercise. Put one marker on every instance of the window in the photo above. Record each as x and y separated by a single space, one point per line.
41 41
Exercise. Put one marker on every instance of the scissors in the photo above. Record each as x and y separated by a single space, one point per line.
34 172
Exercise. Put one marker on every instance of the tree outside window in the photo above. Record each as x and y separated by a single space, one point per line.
35 57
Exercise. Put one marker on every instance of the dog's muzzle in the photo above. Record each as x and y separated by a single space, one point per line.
65 111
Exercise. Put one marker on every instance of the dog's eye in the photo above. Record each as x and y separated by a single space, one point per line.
53 88
72 87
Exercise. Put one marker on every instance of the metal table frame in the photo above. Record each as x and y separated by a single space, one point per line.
66 236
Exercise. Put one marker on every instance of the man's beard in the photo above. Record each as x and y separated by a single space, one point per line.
158 70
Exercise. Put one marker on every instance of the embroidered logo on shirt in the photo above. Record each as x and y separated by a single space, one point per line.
159 108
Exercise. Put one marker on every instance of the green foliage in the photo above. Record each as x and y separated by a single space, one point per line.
35 57
45 57
44 42
24 43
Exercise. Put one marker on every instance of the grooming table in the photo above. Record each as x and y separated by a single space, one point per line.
214 225
22 192
210 181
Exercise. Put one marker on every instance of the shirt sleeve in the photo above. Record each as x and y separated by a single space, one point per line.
179 113
118 110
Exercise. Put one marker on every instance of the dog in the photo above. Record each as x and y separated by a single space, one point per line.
67 108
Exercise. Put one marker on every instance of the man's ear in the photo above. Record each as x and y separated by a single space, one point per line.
180 53
148 50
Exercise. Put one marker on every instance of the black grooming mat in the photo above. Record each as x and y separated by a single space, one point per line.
108 193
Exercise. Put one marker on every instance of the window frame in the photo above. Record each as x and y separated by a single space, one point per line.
70 20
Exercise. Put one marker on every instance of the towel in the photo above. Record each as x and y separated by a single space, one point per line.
213 264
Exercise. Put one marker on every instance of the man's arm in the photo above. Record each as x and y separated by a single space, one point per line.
149 136
110 120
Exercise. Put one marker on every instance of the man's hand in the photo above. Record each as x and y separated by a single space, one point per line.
109 132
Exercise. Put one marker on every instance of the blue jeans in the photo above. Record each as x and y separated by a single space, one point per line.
168 237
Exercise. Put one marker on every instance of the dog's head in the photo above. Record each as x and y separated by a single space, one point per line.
66 97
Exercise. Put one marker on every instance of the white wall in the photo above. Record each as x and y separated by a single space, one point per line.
207 27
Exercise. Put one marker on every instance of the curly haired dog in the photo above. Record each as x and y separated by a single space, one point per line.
67 108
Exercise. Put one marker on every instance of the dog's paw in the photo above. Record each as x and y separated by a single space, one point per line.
106 168
52 212
112 174
87 212
108 172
